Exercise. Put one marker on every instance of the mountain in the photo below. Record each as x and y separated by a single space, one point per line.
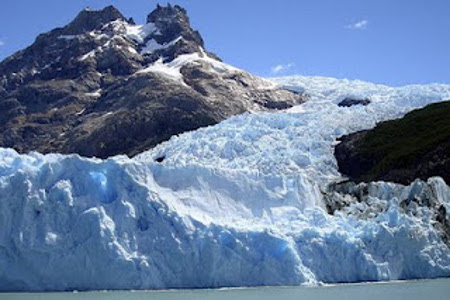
257 199
415 146
102 86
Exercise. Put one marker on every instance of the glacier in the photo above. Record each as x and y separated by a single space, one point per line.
241 203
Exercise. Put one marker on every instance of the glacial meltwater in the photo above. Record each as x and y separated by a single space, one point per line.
435 289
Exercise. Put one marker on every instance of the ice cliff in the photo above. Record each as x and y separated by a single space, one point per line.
240 203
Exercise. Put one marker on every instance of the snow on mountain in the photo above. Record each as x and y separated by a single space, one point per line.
172 70
156 80
235 204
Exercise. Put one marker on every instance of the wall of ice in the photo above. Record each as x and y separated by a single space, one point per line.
236 204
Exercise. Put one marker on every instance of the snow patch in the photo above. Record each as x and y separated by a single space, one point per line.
90 54
139 33
169 70
96 94
172 69
81 112
153 46
67 37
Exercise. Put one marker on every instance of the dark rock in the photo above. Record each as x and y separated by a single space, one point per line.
172 23
348 102
88 20
442 214
340 196
416 146
160 159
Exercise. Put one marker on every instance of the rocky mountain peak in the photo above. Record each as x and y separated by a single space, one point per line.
88 20
102 86
166 12
172 23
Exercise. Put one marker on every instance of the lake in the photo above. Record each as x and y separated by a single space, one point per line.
423 289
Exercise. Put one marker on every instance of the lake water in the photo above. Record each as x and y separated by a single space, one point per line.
425 289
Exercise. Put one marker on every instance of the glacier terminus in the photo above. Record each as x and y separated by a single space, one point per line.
240 203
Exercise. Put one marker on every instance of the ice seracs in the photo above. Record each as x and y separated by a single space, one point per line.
241 203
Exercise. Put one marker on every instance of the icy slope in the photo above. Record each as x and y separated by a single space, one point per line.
300 141
236 204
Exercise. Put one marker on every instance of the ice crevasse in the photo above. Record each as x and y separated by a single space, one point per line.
236 204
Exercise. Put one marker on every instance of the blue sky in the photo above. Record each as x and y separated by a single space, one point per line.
395 42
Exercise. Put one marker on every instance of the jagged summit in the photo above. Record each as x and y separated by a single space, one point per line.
88 20
169 29
102 86
173 22
168 12
103 40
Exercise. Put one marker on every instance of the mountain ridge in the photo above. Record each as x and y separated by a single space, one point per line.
62 93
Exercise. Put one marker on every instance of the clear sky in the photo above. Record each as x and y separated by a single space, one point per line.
395 42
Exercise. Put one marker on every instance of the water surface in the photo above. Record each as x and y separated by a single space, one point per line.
435 289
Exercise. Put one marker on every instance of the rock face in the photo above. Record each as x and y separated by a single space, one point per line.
370 200
416 146
102 86
348 102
